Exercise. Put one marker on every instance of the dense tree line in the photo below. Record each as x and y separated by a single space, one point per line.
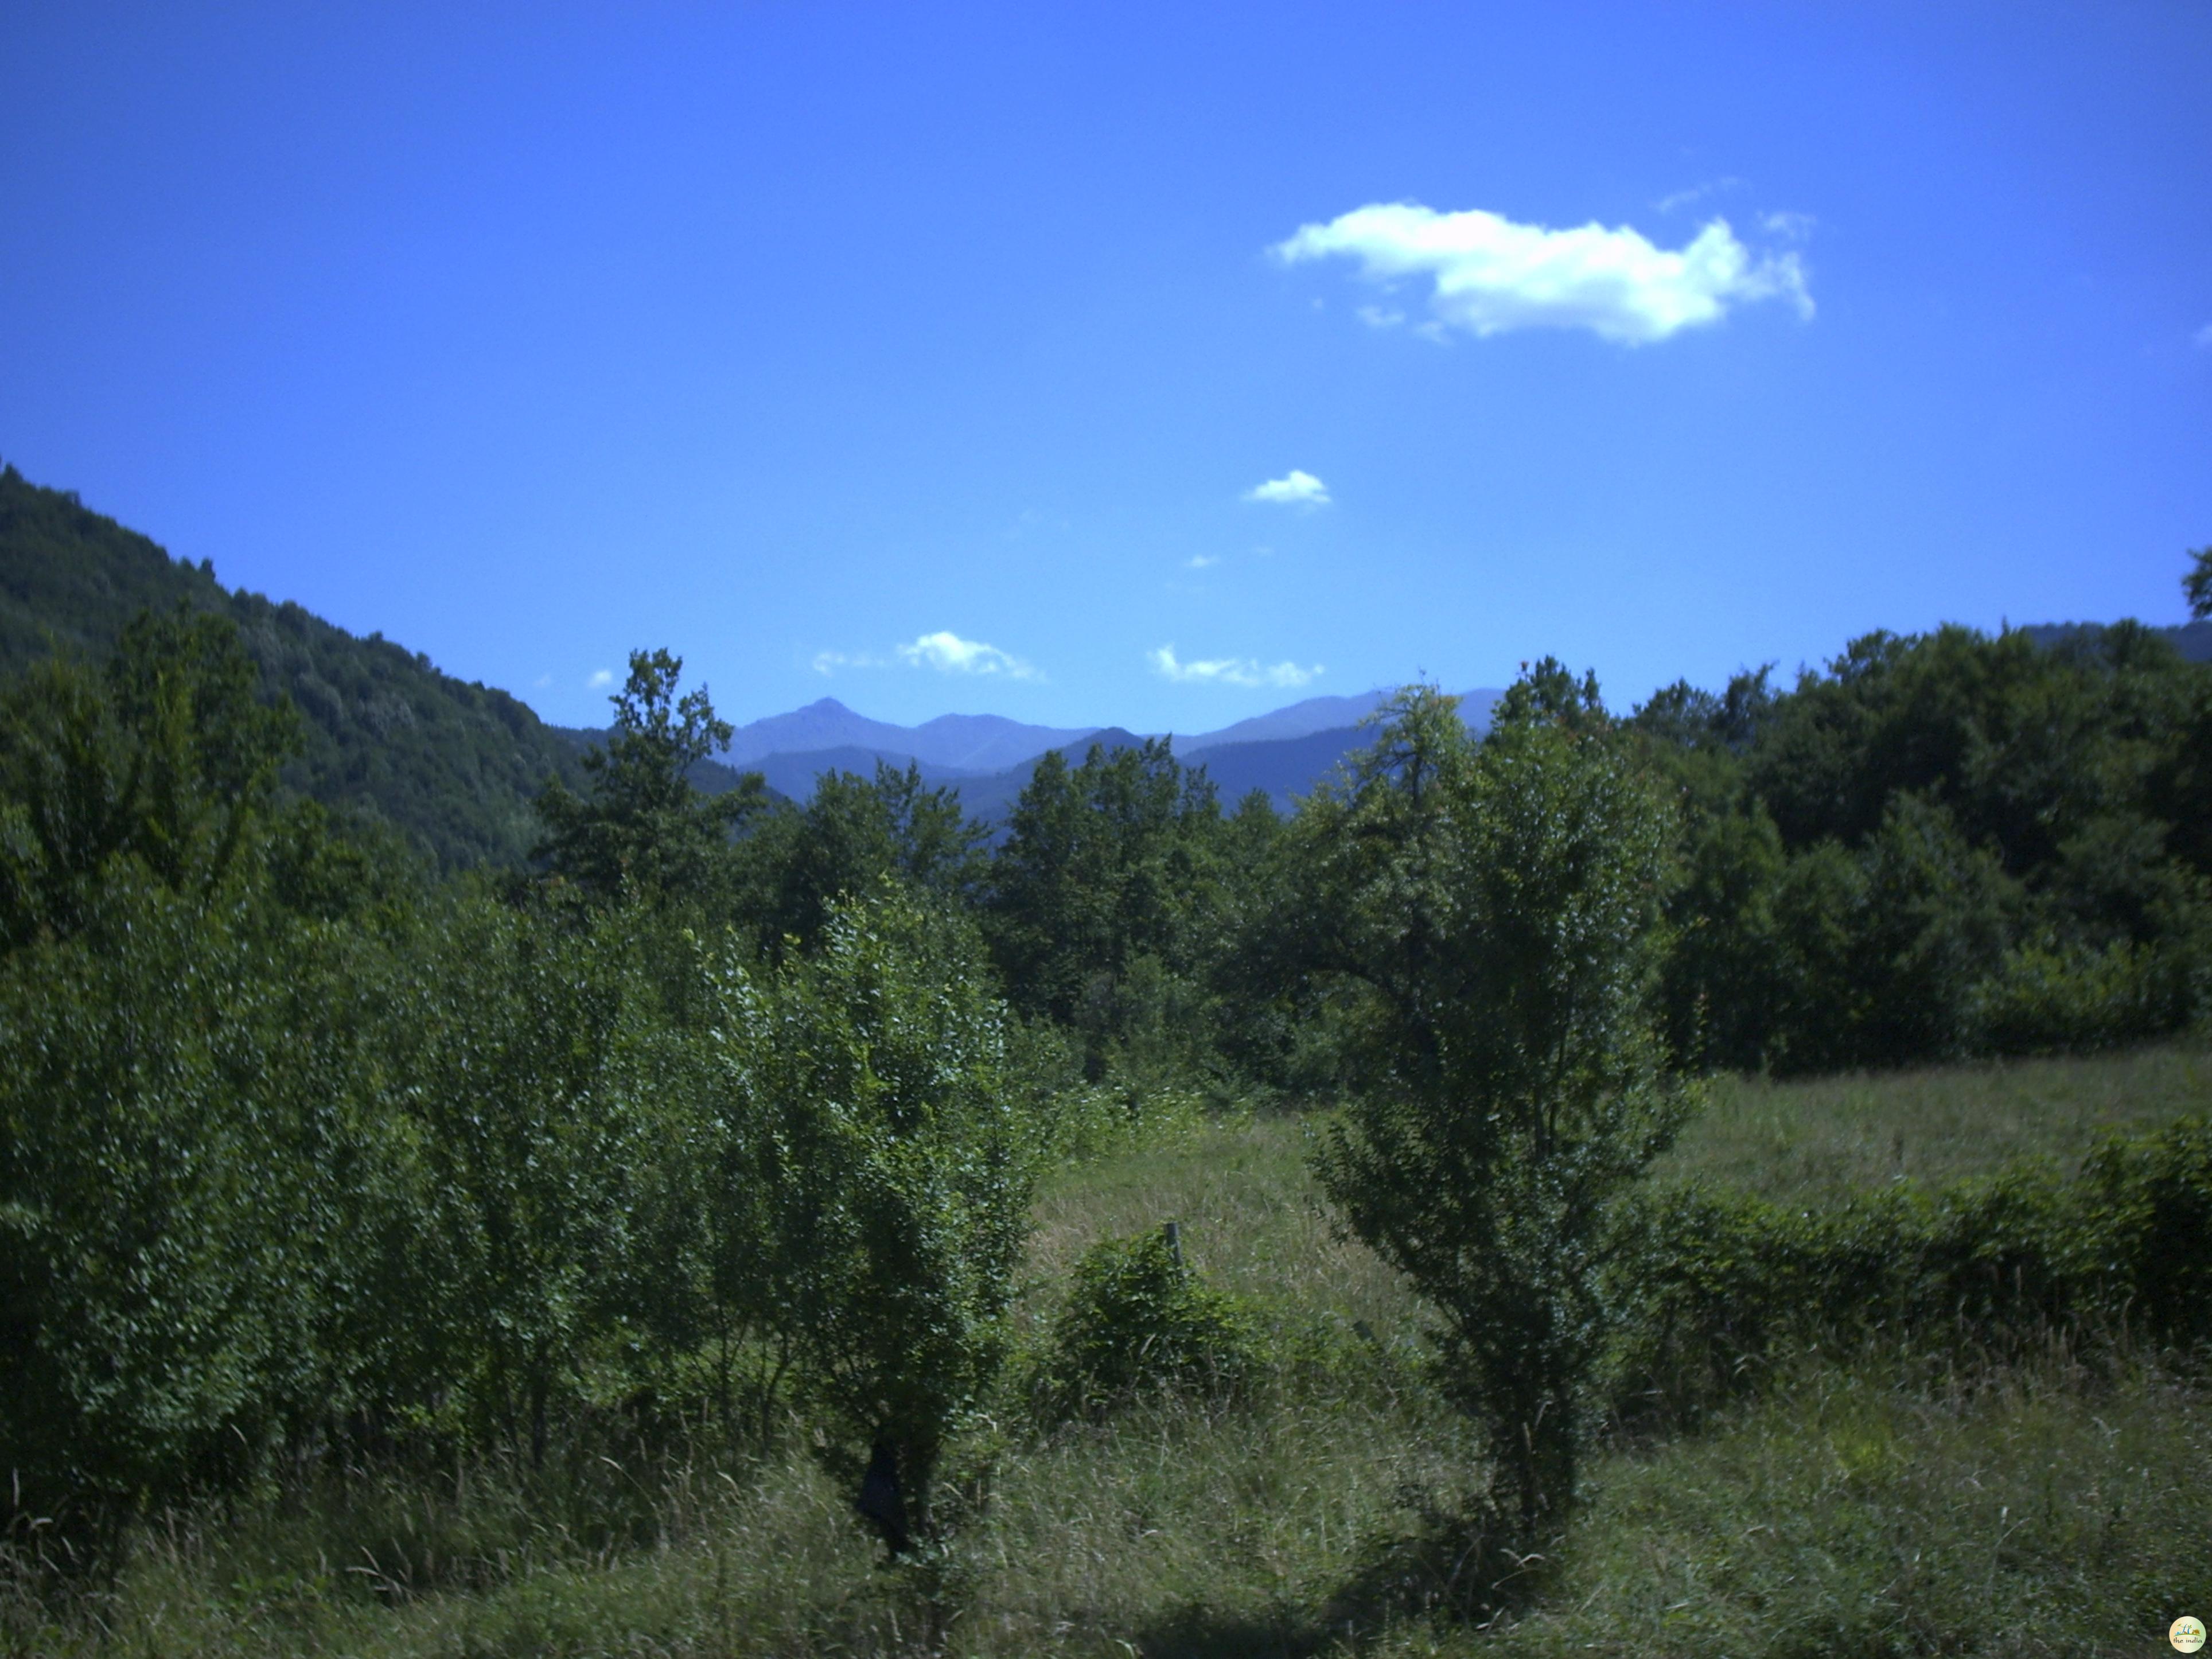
1939 846
721 1107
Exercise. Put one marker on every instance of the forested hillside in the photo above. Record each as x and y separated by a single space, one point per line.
451 764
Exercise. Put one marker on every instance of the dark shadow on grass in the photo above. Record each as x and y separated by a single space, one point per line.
1453 1566
1195 1631
1462 1566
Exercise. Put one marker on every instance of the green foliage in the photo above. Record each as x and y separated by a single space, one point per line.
1880 950
893 1171
1548 694
180 1097
1724 1284
853 836
164 758
516 1056
642 828
2196 585
1138 1319
1909 1495
1103 863
1496 912
1722 995
2047 998
1942 845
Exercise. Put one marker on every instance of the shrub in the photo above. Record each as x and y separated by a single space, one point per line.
1492 916
2044 1000
866 1099
1722 1283
1137 1318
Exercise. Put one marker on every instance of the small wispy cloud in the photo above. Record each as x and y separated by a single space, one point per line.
1790 227
2204 337
1492 275
1676 201
1295 489
1229 671
948 653
1381 316
1201 562
943 651
600 679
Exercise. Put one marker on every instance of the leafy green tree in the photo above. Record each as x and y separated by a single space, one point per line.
2197 586
641 825
1548 691
867 1088
188 1151
514 1053
164 756
1495 913
1103 863
1945 799
854 834
1720 989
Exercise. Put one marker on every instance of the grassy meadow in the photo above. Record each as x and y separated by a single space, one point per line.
1868 1502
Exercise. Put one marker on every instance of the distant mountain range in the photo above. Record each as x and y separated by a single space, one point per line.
969 744
456 764
2192 640
989 760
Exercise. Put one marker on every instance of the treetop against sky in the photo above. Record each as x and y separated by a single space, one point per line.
1123 364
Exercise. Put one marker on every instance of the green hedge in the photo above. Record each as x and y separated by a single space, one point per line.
1712 1285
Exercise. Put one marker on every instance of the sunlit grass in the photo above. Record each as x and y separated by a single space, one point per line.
1860 1511
1823 1136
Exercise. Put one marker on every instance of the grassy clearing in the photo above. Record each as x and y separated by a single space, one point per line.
1252 1222
1822 1138
1865 1505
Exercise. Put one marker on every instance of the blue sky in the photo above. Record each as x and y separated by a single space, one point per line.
1152 364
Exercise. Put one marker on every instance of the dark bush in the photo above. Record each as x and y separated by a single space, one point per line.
1138 1319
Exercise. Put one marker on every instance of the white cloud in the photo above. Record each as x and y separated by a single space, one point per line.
1201 561
1492 275
1381 316
944 650
1790 227
600 678
1229 671
1296 488
948 653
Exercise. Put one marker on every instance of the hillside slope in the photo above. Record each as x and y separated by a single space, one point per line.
452 764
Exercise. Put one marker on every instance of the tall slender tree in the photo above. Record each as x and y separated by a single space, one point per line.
1492 913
